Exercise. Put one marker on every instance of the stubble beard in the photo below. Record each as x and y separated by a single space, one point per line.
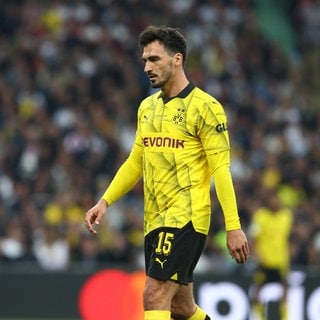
163 81
157 84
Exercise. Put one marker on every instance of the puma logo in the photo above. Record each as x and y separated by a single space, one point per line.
161 262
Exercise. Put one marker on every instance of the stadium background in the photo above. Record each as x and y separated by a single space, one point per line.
70 83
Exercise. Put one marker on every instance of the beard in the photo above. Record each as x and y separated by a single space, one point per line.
159 81
157 84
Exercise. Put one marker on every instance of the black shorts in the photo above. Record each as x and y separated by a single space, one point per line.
172 253
265 275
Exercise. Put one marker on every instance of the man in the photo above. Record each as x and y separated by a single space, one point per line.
181 141
270 231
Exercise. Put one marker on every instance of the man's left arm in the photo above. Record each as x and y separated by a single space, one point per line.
236 239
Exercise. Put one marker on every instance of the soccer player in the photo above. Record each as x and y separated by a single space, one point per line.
270 230
181 142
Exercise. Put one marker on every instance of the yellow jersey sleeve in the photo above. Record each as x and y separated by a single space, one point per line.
213 131
220 169
127 176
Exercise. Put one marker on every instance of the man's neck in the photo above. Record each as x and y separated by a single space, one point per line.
174 87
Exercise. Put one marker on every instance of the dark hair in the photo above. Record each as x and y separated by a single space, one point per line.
171 38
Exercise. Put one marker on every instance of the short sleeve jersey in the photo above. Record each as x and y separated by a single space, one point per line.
175 137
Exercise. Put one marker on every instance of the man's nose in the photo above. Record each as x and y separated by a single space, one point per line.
147 67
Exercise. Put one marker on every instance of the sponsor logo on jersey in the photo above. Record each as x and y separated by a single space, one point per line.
221 127
163 142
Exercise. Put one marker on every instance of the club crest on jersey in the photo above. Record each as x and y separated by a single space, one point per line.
179 116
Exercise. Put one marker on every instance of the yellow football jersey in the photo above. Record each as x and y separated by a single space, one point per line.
176 136
175 150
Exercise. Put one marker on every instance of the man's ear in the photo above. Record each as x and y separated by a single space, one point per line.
178 58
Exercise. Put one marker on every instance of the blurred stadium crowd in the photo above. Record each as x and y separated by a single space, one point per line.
70 84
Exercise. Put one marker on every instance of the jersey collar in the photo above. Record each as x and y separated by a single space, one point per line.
182 94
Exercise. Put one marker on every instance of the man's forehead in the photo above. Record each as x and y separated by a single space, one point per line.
153 48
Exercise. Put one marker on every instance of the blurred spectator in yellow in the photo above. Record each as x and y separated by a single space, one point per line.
270 232
66 213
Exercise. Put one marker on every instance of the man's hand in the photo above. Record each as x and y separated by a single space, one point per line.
95 215
238 246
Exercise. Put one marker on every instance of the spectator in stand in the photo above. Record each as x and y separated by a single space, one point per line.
13 245
51 250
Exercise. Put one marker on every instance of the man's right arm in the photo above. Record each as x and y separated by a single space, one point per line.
125 179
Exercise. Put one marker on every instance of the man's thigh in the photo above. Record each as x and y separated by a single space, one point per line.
172 253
